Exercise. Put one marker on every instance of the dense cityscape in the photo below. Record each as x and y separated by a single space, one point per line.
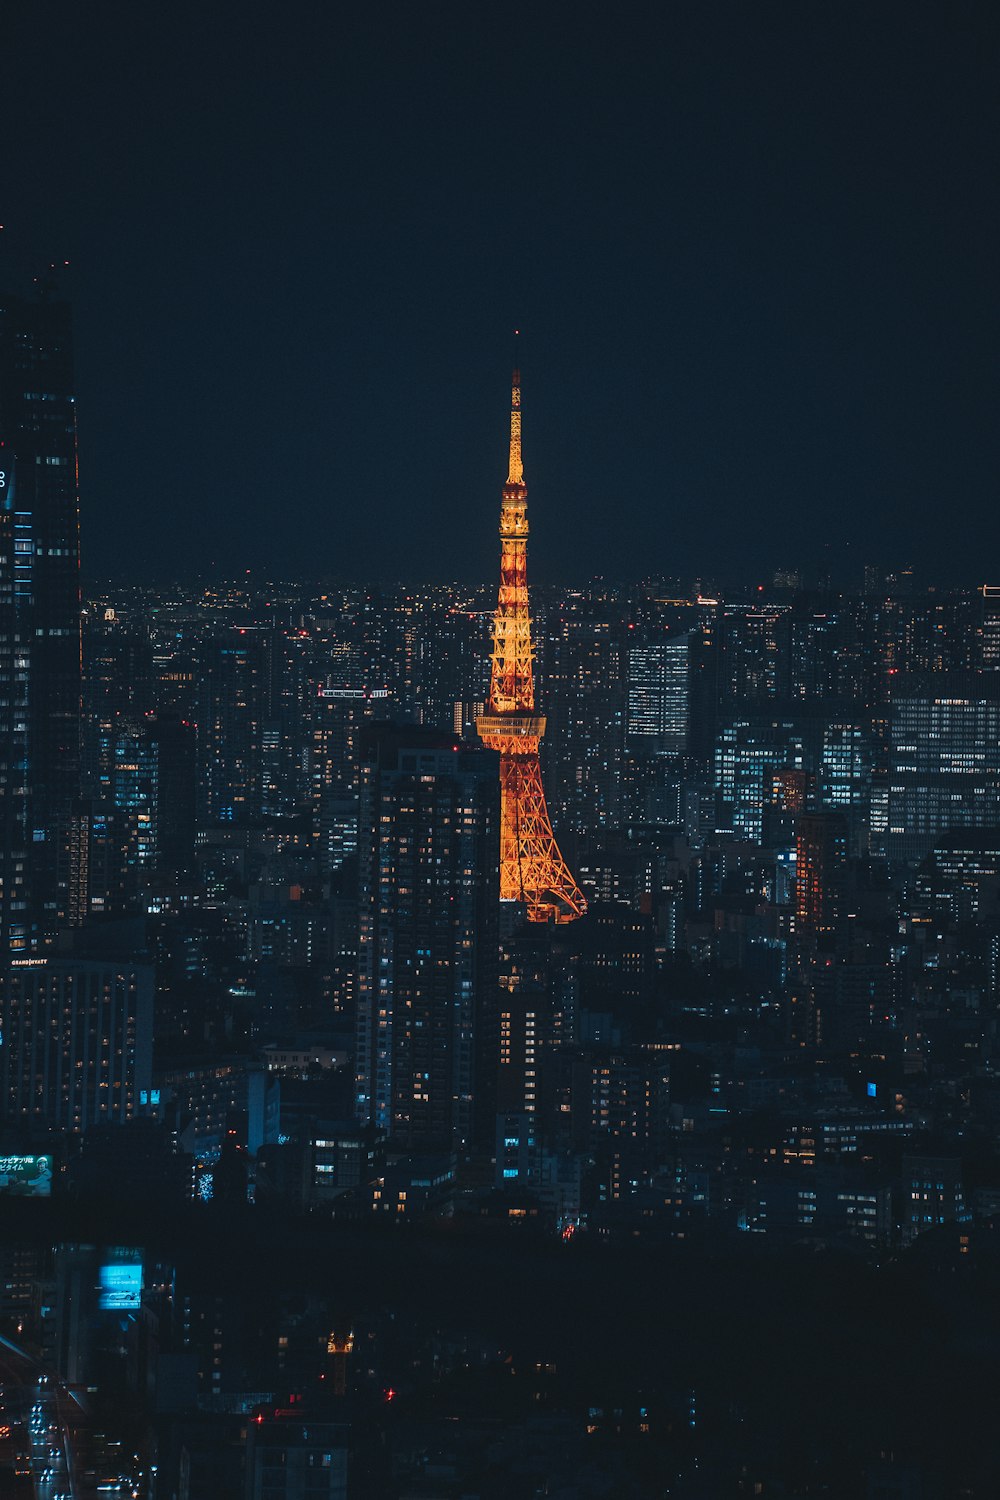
499 751
328 1172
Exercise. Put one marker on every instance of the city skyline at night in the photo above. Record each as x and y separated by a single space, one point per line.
458 1042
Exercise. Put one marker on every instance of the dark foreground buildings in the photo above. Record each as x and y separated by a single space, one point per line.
428 902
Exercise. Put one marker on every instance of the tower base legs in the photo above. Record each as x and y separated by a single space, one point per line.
532 869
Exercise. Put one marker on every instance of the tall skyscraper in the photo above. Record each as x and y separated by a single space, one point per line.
657 711
236 693
40 683
337 720
585 701
428 940
143 823
532 869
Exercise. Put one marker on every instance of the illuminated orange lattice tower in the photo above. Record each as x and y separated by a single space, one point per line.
532 869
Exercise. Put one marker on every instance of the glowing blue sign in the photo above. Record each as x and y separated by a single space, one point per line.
121 1282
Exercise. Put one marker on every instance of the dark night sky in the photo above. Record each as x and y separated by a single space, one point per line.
753 247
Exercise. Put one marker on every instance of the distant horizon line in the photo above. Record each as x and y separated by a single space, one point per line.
780 579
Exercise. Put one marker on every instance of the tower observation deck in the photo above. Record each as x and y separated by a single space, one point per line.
532 869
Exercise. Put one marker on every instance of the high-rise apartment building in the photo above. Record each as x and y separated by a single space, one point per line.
77 1041
338 717
657 704
820 871
845 778
584 687
751 754
429 850
39 617
235 705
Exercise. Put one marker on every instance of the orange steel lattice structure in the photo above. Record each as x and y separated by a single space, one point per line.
532 870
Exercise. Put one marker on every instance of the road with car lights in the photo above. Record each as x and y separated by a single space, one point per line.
39 1425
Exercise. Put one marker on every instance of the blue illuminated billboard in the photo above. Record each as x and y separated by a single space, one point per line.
120 1281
